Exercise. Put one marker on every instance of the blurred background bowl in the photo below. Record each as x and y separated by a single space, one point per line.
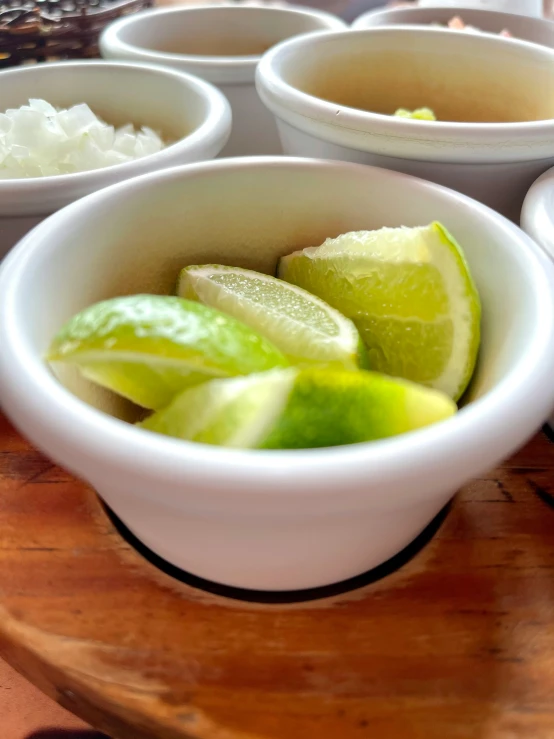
191 114
537 219
536 30
334 95
221 43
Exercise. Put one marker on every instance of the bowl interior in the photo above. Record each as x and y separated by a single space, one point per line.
462 77
218 31
118 94
137 240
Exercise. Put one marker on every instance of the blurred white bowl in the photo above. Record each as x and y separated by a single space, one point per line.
221 43
537 219
269 520
536 30
533 8
324 88
537 214
189 112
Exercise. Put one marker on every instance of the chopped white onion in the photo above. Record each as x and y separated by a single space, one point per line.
37 140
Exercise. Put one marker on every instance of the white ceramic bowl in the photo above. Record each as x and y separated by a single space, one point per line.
270 520
321 87
537 214
537 219
532 8
222 43
536 30
188 111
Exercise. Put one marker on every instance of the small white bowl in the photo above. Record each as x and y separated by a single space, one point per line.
525 28
533 8
268 520
537 219
189 112
537 214
221 43
322 87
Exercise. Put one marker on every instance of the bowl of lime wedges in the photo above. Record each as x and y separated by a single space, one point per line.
277 372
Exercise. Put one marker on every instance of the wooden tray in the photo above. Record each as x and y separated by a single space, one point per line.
457 643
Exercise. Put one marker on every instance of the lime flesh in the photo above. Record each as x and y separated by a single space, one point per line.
301 325
410 293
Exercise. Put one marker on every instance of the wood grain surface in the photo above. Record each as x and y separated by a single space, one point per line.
456 643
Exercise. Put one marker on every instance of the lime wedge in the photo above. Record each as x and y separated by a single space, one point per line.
420 114
300 324
150 347
299 409
409 292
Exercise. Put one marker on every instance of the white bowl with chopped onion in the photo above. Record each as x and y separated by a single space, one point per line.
70 128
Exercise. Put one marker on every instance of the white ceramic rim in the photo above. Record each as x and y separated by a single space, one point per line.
504 18
218 69
210 130
309 113
53 408
537 219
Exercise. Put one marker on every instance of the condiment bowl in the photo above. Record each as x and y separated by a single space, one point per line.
532 8
524 27
190 113
334 96
221 43
537 219
268 520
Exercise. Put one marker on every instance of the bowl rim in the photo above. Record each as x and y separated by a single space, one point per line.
536 216
500 15
216 119
217 68
310 113
35 397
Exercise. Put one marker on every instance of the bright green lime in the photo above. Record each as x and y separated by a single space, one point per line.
409 292
150 347
420 114
301 325
299 409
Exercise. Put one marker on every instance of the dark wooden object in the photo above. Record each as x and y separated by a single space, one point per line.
51 30
456 644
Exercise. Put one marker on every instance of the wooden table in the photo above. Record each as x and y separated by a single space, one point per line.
455 642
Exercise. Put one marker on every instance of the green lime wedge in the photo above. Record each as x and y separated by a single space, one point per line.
147 348
420 114
299 409
301 325
411 295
